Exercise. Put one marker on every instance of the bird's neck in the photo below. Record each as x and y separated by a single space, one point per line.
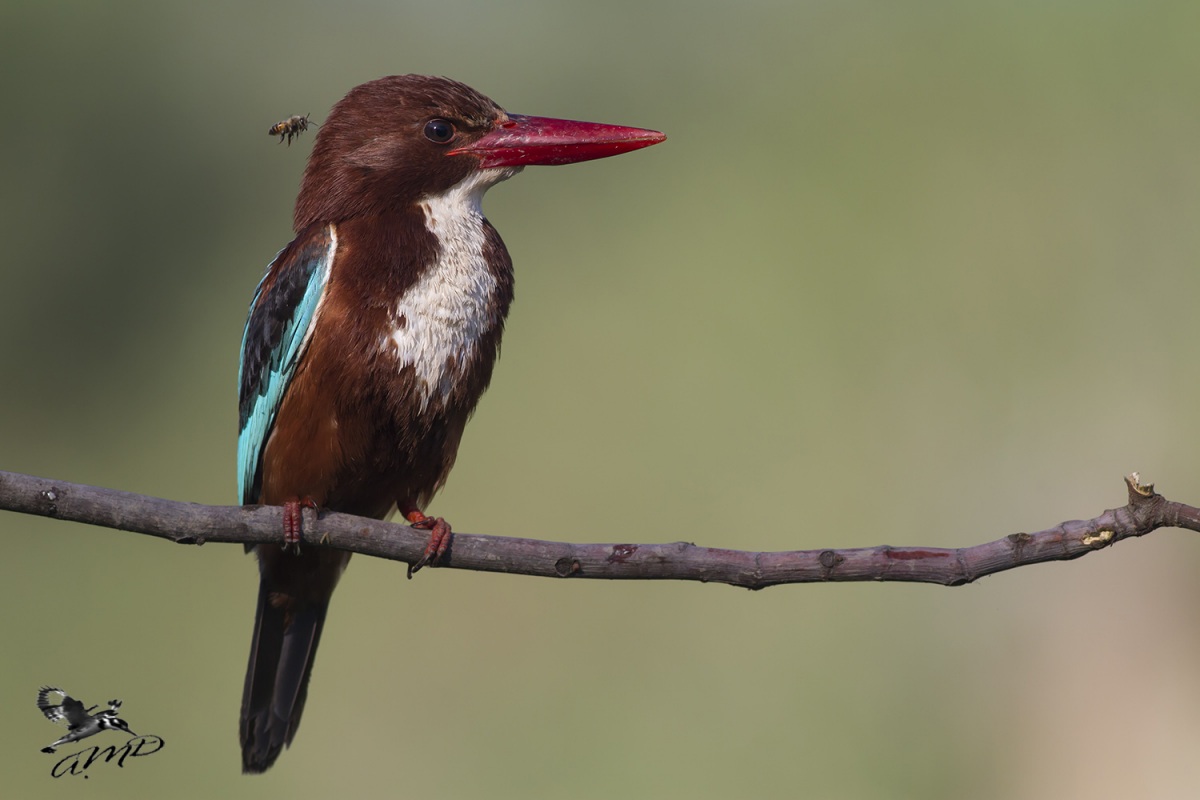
442 279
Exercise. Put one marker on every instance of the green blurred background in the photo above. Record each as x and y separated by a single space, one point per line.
915 273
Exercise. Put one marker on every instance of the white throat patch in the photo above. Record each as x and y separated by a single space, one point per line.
438 322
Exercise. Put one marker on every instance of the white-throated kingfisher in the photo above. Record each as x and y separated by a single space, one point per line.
370 340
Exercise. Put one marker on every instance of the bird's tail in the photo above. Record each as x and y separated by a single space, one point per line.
287 630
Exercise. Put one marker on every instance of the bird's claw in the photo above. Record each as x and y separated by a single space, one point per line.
293 520
439 541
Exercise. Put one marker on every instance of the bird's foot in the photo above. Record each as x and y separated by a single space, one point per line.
439 539
293 519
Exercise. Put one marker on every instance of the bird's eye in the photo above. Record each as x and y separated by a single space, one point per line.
439 131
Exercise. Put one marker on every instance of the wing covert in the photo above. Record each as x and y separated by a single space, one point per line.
278 327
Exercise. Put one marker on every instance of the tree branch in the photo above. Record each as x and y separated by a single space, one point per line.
191 523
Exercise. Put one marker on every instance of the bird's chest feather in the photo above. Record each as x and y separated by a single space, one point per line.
442 324
416 309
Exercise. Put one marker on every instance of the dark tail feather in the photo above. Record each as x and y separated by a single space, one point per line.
281 659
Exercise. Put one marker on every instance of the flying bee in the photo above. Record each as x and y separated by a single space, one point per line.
292 126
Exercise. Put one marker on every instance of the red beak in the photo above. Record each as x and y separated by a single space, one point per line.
526 140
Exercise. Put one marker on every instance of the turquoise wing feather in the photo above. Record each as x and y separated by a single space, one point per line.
282 316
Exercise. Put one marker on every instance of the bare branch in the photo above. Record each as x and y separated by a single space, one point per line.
191 523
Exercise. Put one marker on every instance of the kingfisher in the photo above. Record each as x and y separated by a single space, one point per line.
80 721
369 341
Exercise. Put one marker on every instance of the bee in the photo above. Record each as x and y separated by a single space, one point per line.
292 126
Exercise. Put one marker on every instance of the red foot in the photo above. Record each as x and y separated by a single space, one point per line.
439 538
292 519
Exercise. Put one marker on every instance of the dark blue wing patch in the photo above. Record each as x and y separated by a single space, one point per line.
281 319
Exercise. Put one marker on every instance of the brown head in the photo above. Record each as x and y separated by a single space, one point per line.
392 141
